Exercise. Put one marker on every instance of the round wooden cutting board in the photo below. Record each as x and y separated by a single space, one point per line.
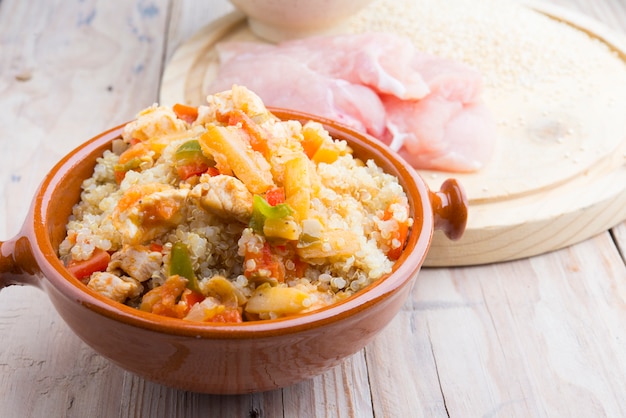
558 175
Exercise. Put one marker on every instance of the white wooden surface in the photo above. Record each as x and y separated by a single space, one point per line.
544 336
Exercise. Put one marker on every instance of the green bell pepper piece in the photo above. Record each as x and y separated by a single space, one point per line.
261 210
180 264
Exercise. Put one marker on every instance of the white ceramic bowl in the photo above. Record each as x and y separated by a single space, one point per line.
279 20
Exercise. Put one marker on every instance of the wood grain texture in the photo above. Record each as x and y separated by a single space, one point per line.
65 77
187 18
619 235
555 351
538 337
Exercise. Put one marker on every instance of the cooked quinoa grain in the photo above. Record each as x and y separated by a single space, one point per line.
223 213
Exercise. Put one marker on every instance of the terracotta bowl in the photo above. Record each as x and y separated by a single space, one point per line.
222 358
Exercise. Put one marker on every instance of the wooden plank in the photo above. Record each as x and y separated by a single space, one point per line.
67 78
66 75
403 370
619 235
45 370
341 392
188 17
610 13
145 399
536 337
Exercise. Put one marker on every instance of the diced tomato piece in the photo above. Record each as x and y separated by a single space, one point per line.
213 171
300 267
191 297
275 196
400 235
187 113
222 117
82 269
189 160
266 265
156 247
191 168
229 315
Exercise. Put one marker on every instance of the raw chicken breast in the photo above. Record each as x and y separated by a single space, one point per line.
283 80
439 134
427 108
450 129
383 62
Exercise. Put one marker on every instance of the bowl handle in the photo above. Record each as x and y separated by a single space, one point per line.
17 263
450 209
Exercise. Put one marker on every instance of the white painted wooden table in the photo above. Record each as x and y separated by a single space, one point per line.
542 337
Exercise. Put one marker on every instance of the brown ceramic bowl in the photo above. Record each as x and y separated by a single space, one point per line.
222 358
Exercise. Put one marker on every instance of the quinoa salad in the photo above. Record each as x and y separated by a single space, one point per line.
224 213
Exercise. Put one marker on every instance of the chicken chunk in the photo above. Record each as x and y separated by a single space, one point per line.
137 261
148 210
114 287
235 97
225 196
155 121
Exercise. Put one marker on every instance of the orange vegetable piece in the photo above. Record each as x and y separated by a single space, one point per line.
257 135
265 265
228 315
275 196
311 142
400 235
248 165
163 300
191 297
187 113
82 269
326 153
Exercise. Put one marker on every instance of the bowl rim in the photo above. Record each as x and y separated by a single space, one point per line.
404 271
